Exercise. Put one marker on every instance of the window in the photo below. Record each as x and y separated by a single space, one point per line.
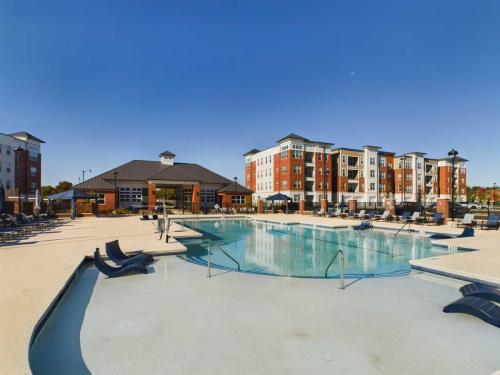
33 171
400 188
407 164
238 199
297 169
320 185
419 165
7 151
372 173
381 161
33 155
132 195
372 161
33 187
7 184
284 183
320 156
382 175
297 184
284 169
400 177
284 152
343 172
372 186
297 154
408 189
296 198
381 187
343 159
100 199
419 177
320 171
408 177
8 168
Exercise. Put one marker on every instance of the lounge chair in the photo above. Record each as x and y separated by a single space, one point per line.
330 213
351 214
405 216
478 307
384 216
116 254
155 217
145 217
468 221
492 223
111 271
319 212
363 226
414 218
360 215
468 232
481 290
437 218
371 214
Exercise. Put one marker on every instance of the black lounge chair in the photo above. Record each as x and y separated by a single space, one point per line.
363 226
111 271
145 217
492 223
468 232
481 290
478 307
116 254
155 217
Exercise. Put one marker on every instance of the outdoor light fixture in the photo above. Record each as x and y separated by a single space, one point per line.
452 155
115 175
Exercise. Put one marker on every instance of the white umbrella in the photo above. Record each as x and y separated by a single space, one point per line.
38 202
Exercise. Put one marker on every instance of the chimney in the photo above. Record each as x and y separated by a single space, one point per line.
167 158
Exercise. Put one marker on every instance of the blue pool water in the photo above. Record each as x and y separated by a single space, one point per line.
305 251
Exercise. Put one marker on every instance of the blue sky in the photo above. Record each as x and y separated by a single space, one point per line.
104 82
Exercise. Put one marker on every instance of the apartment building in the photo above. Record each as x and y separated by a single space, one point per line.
309 170
20 163
295 166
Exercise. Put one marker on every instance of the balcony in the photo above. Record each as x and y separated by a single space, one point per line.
352 161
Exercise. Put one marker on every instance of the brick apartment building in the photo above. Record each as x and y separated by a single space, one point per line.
20 164
311 170
134 184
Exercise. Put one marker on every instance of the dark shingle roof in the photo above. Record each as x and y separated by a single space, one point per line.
230 188
293 136
189 172
251 152
94 183
27 135
168 154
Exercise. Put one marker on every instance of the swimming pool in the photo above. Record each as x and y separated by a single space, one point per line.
306 251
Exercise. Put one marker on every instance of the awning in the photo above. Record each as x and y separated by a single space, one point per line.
279 197
71 194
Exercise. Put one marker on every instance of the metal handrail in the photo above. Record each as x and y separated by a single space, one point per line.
225 253
400 229
341 267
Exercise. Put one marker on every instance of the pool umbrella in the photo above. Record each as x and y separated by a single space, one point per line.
38 202
342 203
2 198
419 200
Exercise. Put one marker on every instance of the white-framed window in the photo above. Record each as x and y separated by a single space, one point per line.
297 169
372 186
419 177
343 172
343 159
408 189
381 161
320 171
382 175
238 199
33 171
34 186
297 184
381 187
284 183
372 161
419 165
408 177
101 199
284 152
296 197
284 169
372 173
297 154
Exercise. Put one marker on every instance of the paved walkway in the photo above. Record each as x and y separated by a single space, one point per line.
34 270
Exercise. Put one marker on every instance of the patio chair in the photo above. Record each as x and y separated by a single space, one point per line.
335 213
145 217
468 232
467 221
351 214
436 218
116 254
363 226
384 216
319 212
485 291
478 307
329 213
492 223
371 214
414 218
155 217
405 216
360 215
111 271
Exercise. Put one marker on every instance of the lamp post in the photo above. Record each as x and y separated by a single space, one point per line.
494 193
235 179
452 154
18 151
115 175
83 173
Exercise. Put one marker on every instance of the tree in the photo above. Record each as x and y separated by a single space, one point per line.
48 190
167 193
63 186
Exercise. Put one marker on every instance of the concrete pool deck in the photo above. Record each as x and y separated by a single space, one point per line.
34 270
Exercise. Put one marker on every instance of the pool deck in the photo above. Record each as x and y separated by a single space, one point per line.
34 270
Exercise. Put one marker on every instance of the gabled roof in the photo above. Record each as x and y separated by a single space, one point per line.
292 136
188 172
94 183
251 152
168 154
238 189
26 135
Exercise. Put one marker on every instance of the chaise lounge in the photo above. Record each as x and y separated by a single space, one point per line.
467 232
111 271
492 223
485 291
478 307
116 254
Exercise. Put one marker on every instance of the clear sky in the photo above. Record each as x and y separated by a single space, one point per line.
104 82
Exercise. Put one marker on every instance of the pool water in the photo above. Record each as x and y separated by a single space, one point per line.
305 251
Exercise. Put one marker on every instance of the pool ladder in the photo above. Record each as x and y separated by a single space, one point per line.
341 253
209 251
